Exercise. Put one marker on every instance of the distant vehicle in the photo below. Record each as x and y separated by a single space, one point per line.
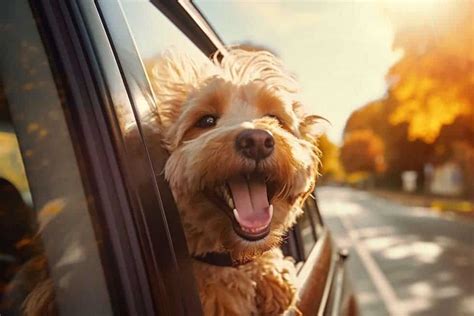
73 105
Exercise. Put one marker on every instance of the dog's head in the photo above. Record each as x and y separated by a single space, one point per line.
243 156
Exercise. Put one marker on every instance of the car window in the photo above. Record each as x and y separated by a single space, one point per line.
154 34
49 256
308 233
308 230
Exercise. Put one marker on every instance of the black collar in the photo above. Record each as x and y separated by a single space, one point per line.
220 259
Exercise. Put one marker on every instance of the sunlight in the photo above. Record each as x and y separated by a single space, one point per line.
425 13
414 305
423 8
467 305
341 208
448 292
372 232
381 243
421 289
426 252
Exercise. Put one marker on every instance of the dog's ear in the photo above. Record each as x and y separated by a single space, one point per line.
313 126
310 126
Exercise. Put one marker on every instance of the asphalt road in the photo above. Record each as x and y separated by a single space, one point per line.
403 260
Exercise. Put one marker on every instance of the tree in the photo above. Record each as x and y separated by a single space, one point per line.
372 116
331 168
427 114
434 81
363 150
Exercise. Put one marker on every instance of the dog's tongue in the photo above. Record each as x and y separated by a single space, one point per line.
251 201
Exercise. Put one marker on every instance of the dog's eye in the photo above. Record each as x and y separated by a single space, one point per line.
273 116
206 121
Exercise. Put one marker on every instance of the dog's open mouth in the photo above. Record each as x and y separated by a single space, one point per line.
246 199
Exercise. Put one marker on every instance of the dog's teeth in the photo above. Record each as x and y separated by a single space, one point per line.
225 194
270 210
236 214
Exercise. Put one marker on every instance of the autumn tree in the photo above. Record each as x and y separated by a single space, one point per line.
427 114
434 81
331 168
363 150
372 116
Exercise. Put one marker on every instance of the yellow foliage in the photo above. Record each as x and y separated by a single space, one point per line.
330 164
357 177
426 119
363 151
434 81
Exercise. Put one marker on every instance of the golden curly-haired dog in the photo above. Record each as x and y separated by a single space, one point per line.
243 159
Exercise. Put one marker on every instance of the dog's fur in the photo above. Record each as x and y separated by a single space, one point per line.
245 90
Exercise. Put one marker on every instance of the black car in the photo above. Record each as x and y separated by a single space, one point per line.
83 201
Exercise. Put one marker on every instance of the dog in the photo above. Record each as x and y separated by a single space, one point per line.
243 158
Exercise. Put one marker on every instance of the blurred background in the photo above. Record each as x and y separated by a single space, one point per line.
396 81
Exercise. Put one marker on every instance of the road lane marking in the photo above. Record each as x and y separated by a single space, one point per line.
379 280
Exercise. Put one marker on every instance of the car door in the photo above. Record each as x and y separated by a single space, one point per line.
323 283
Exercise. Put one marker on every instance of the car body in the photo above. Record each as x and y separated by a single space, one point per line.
74 103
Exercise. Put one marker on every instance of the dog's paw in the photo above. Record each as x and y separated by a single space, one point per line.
275 290
275 293
225 291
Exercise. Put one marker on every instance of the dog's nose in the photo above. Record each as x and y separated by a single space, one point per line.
255 144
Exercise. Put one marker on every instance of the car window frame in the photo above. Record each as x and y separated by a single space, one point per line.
182 283
320 257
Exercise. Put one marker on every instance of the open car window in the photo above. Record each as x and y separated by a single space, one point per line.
169 33
154 35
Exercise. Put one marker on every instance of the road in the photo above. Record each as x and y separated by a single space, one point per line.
403 260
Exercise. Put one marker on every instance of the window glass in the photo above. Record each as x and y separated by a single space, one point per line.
49 259
308 235
153 32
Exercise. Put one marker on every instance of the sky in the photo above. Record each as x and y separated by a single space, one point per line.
340 50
